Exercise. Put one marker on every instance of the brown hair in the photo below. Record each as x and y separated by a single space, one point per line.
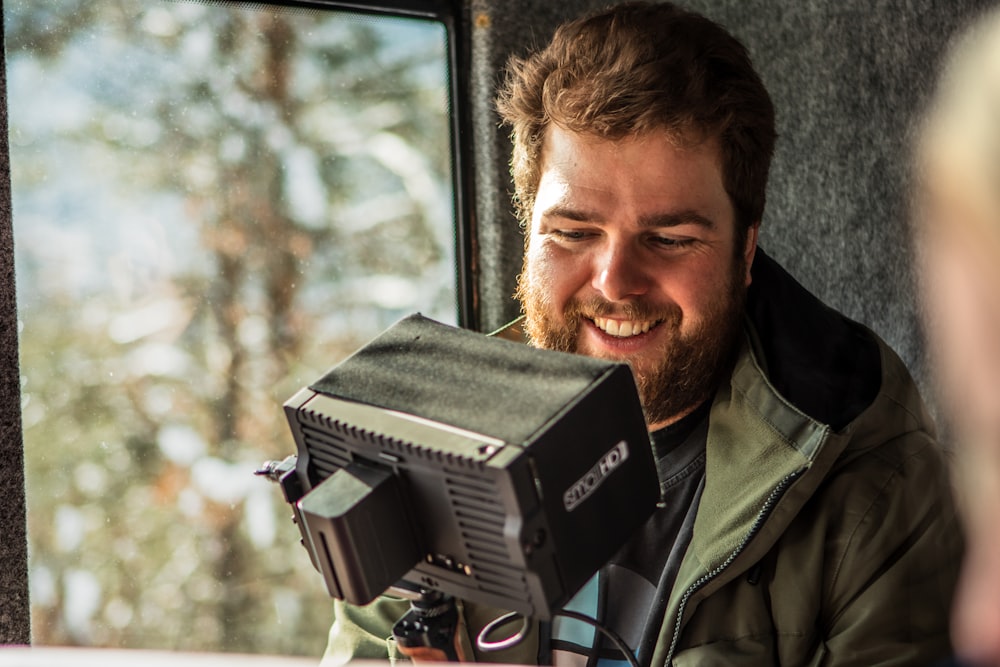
639 67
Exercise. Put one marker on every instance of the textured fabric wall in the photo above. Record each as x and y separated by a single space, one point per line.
15 626
847 78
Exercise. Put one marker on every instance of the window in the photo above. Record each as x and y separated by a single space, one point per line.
213 202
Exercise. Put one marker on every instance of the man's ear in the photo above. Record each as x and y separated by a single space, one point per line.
750 249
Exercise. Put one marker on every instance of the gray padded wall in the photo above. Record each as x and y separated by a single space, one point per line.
847 77
848 80
15 626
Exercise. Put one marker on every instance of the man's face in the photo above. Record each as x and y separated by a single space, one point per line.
631 257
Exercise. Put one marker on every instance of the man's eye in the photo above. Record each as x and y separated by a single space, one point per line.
669 242
570 234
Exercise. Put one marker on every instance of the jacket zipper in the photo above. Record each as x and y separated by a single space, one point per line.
765 510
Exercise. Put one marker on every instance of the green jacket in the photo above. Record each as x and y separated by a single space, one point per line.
826 533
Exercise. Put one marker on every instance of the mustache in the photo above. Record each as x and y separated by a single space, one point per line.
595 306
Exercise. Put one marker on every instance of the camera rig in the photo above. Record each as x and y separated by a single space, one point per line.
446 461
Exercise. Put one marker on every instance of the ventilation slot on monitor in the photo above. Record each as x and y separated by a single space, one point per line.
328 453
508 581
481 517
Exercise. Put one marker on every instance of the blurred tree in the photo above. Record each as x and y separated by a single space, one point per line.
213 202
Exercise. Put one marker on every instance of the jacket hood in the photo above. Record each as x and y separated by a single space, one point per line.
826 365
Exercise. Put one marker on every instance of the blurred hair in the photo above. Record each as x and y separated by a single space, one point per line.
959 150
641 67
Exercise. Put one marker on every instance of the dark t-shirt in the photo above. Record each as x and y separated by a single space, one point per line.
628 595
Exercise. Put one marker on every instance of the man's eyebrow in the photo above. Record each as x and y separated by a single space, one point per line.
676 219
672 219
570 213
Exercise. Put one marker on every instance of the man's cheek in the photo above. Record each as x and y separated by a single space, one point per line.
542 279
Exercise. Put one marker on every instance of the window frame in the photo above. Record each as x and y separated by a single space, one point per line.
449 13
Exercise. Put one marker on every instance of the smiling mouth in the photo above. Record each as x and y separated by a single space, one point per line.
624 328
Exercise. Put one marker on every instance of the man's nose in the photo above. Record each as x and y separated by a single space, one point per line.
619 272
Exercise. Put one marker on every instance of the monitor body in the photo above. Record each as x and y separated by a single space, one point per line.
443 459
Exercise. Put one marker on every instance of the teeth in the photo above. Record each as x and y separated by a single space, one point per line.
623 328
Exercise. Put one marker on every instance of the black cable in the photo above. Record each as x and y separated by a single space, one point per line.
607 632
515 639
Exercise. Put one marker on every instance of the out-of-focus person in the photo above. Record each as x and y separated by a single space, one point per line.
957 225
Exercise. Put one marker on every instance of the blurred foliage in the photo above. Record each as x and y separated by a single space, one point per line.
213 203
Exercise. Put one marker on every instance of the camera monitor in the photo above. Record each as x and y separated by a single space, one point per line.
442 459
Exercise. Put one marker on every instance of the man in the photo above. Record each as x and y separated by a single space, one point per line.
958 234
805 517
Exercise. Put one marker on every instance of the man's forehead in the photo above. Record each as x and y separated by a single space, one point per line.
688 137
581 174
564 151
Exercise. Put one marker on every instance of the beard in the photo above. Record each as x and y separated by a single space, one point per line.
688 367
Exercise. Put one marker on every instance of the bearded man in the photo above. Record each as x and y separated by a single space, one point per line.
805 516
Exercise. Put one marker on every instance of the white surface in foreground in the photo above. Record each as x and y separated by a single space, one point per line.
24 656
